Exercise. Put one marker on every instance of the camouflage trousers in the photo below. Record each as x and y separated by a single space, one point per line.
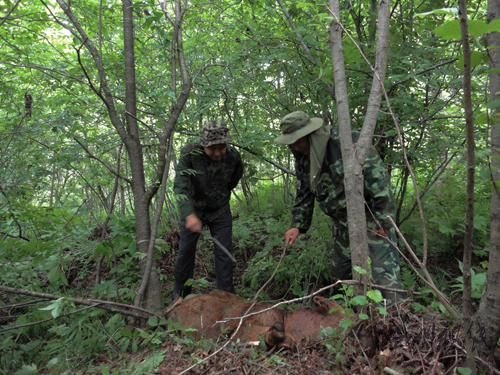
383 255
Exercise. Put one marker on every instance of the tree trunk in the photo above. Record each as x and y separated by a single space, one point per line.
469 210
134 148
129 132
353 174
486 323
354 155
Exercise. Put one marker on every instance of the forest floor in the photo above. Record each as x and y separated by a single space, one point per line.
401 342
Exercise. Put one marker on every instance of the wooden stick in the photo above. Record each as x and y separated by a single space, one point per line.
121 308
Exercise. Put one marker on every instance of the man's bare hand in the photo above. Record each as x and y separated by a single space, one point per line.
193 223
291 236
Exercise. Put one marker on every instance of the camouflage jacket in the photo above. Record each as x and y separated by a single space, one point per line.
330 191
203 185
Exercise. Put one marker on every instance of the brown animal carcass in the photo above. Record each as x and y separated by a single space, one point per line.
217 312
306 324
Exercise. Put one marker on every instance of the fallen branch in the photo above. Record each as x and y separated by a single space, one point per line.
21 305
121 308
10 328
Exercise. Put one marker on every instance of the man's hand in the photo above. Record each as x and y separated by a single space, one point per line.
381 232
291 236
193 223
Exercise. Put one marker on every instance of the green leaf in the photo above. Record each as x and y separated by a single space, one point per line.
55 307
494 26
160 242
124 343
478 282
27 370
363 316
464 371
348 290
103 249
345 324
375 295
53 362
480 118
478 27
359 270
153 321
476 58
56 278
359 301
417 307
148 22
449 30
382 310
149 364
494 104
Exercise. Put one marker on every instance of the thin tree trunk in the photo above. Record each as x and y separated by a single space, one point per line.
469 211
486 323
134 148
150 284
354 155
353 174
366 137
150 261
110 207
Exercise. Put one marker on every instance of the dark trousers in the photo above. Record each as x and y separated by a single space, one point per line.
220 224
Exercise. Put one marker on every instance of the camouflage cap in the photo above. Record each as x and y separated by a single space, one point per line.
214 133
297 125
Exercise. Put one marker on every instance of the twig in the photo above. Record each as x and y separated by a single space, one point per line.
117 307
298 299
426 70
362 351
23 304
108 167
301 40
426 277
47 320
435 361
434 178
223 248
390 371
281 168
11 10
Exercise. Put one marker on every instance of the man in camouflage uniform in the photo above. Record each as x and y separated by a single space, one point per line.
320 177
205 175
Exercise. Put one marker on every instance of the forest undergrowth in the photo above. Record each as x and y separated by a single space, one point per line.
40 336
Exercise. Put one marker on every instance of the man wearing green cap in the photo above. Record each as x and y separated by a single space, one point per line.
205 175
320 177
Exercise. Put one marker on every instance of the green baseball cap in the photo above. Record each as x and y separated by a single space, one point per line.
297 125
